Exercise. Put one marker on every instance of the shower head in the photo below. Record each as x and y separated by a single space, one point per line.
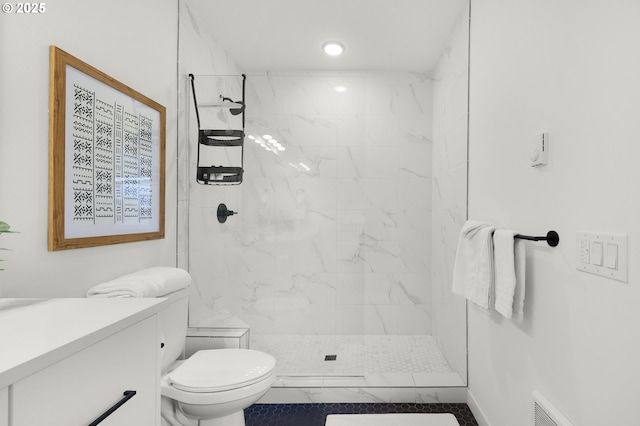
235 111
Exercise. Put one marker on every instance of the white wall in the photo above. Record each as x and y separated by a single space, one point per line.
133 42
570 68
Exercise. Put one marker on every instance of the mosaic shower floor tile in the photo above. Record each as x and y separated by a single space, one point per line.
318 355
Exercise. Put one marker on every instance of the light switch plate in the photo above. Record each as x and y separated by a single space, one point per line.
607 246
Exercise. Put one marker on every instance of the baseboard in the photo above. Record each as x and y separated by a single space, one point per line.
476 410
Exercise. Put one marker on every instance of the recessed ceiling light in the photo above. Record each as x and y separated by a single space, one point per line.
340 89
333 48
267 137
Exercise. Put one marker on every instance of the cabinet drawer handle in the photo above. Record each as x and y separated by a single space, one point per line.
127 396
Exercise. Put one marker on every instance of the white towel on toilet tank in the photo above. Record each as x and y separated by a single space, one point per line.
152 282
510 274
473 270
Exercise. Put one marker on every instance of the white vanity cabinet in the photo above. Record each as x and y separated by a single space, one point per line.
105 348
4 407
78 389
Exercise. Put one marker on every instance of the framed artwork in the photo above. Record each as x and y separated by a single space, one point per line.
106 158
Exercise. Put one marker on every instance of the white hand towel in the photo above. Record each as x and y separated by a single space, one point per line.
152 282
473 271
505 265
509 270
518 296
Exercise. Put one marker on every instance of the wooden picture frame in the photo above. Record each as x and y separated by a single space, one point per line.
106 158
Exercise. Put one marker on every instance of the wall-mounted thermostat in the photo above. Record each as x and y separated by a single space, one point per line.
540 152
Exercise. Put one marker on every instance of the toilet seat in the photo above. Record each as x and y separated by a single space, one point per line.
218 370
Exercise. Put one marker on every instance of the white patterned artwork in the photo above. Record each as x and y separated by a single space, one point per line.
113 146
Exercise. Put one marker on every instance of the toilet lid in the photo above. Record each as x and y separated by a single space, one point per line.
216 370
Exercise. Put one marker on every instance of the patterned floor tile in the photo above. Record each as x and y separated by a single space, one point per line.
315 414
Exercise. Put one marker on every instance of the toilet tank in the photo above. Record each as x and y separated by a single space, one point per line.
172 327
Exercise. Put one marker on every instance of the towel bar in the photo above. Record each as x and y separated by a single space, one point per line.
552 238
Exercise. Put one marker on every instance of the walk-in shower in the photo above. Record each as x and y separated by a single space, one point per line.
354 188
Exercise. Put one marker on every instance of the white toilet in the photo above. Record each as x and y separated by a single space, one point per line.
212 387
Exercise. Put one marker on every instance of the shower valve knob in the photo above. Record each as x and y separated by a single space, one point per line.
223 213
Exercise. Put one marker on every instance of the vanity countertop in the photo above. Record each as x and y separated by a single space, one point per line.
35 333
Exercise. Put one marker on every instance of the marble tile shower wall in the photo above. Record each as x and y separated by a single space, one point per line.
333 234
450 191
198 54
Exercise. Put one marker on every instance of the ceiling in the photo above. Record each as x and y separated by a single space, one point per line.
285 35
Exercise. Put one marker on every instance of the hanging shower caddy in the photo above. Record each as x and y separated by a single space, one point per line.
220 139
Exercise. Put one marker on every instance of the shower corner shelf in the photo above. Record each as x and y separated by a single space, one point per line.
220 138
219 175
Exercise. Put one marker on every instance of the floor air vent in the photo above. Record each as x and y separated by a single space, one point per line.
546 414
330 357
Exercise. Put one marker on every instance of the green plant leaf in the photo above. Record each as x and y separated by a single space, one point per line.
5 228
